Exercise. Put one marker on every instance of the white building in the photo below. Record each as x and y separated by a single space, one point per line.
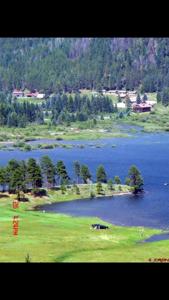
40 96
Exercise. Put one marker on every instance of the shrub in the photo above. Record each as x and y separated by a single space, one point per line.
27 148
92 194
19 145
39 192
59 138
27 258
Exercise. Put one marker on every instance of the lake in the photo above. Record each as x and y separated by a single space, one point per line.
149 152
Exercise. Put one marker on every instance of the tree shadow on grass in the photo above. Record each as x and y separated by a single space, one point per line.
4 196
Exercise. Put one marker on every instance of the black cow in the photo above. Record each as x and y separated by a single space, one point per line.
99 226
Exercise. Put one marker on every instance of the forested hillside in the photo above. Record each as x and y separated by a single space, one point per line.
56 64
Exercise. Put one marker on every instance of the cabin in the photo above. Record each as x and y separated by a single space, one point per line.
122 95
142 107
17 93
40 96
31 95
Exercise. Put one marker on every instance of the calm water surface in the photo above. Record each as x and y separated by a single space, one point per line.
150 152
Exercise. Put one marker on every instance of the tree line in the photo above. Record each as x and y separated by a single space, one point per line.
66 108
21 176
69 64
15 114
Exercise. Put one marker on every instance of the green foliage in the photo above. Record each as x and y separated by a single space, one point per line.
39 192
15 114
144 98
127 181
138 99
128 102
54 65
34 173
92 194
77 190
85 173
2 178
61 173
117 180
99 188
63 188
27 258
48 170
165 96
136 180
120 188
27 148
101 174
158 97
110 184
76 166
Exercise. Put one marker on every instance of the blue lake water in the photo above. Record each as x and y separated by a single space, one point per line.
149 152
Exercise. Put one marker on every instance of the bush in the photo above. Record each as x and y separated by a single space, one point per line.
27 258
39 192
59 139
27 148
92 195
19 145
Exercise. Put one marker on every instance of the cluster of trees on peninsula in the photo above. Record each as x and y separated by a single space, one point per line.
15 114
66 64
21 176
78 108
59 108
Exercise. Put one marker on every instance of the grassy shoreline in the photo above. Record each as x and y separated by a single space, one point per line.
49 237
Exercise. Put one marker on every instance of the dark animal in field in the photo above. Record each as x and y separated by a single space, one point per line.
99 226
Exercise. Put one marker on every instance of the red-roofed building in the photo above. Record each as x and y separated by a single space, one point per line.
31 95
142 107
17 93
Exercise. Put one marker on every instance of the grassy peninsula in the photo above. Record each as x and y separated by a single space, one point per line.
49 237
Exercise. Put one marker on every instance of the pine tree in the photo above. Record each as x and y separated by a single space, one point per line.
144 98
85 173
76 166
63 188
136 180
2 178
99 188
138 99
48 170
110 184
127 181
34 173
61 172
128 102
12 166
158 97
117 180
101 174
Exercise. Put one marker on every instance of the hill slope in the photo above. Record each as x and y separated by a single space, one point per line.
71 63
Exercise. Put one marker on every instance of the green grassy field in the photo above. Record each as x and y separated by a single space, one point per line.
155 121
30 100
50 237
76 131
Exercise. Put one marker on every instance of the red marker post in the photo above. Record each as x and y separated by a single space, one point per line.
15 225
15 204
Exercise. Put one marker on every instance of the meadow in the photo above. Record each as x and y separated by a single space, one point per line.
50 237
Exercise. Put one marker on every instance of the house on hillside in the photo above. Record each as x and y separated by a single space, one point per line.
31 94
40 96
142 107
17 93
